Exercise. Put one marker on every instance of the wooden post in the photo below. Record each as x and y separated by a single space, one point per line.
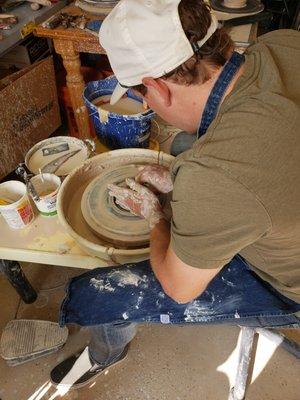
75 84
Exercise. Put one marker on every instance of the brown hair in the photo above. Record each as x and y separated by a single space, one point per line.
195 19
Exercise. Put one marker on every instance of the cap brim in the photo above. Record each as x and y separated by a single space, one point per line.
117 94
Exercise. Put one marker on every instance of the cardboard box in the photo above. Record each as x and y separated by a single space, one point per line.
29 112
29 51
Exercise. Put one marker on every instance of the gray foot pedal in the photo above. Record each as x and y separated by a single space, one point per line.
25 340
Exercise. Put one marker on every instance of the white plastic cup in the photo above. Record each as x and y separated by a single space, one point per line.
18 212
47 187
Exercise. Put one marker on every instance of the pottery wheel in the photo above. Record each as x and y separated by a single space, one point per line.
106 218
251 7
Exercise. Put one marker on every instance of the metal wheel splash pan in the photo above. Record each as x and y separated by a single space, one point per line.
103 229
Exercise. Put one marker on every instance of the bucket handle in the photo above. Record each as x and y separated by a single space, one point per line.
158 130
91 145
148 112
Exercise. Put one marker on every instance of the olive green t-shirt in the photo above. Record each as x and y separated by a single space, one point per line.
238 189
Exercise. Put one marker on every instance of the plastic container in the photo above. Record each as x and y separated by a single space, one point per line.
47 187
117 131
15 206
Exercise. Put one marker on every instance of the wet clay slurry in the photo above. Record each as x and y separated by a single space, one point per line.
106 218
125 106
235 3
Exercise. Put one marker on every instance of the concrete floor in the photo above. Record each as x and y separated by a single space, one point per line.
164 363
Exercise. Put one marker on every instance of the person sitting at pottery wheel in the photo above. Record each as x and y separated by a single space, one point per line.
231 252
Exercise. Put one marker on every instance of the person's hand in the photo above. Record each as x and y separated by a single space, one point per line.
139 200
157 176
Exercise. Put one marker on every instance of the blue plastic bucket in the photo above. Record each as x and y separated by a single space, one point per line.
119 131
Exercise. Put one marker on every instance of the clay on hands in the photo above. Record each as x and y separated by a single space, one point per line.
157 176
139 200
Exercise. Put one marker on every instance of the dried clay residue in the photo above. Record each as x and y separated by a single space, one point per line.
101 285
118 278
126 277
227 282
197 311
237 315
139 302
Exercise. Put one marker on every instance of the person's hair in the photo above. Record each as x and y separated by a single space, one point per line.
195 19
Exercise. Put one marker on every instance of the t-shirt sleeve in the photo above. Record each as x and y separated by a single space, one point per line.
214 216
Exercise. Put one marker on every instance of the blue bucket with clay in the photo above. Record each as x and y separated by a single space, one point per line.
117 131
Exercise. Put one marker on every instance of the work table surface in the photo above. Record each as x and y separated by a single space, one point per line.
44 241
84 41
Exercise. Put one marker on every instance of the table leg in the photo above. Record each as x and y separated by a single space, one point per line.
75 84
13 272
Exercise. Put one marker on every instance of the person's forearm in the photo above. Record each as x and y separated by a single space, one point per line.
159 243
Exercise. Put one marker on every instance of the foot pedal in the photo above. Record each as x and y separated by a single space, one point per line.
24 340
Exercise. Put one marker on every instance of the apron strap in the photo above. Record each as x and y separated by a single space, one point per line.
218 91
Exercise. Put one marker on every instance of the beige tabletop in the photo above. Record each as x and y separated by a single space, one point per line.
44 241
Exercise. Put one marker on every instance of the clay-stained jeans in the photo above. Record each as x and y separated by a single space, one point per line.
108 341
111 301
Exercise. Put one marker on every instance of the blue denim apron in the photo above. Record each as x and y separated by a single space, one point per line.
184 141
131 293
216 95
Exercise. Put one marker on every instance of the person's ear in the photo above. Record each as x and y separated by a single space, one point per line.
160 87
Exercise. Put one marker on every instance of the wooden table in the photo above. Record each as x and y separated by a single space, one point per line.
69 43
44 241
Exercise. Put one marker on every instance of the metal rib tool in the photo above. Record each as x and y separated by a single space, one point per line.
54 165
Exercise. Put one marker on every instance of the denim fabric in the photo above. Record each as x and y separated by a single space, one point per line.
218 91
131 293
108 341
183 141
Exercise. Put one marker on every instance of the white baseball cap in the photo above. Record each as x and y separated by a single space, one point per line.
145 38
